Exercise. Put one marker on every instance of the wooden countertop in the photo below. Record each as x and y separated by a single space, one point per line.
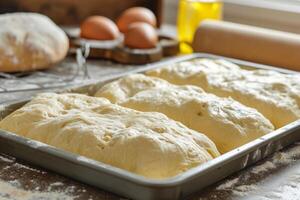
277 177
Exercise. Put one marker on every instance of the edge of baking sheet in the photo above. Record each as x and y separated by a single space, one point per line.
134 186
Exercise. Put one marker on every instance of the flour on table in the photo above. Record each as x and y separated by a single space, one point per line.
20 166
9 191
244 190
56 184
7 159
289 156
228 184
251 182
263 167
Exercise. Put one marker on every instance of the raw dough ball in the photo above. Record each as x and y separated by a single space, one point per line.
226 122
275 95
30 41
149 144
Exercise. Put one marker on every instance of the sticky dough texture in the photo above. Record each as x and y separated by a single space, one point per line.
275 95
225 121
30 41
149 144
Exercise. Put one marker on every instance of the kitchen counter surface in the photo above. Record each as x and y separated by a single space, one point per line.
277 177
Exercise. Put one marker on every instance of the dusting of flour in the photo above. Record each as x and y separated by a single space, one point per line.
259 182
10 191
15 177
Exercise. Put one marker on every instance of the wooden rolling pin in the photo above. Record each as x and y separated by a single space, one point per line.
250 43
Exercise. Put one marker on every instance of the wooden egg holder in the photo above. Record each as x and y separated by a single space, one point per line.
115 50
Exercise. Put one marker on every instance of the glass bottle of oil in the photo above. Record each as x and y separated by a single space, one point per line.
190 14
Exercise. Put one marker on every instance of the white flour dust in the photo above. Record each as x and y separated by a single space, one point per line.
286 185
11 192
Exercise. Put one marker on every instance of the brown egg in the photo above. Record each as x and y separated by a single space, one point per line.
140 36
99 28
135 14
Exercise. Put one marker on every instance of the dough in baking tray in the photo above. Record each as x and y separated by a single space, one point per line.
275 95
149 144
126 87
30 41
228 123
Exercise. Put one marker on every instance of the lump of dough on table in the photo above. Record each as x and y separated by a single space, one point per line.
30 41
275 95
149 144
228 123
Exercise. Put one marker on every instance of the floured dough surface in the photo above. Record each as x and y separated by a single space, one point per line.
149 144
30 41
275 95
225 121
126 87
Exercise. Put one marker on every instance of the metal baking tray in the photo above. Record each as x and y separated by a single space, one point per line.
132 185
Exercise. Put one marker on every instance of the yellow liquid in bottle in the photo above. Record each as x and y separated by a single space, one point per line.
190 14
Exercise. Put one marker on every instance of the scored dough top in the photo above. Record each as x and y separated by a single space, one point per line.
225 121
149 144
30 41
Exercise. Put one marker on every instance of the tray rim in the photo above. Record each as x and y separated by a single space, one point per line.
138 179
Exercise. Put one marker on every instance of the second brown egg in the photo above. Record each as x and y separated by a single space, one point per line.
141 36
136 14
